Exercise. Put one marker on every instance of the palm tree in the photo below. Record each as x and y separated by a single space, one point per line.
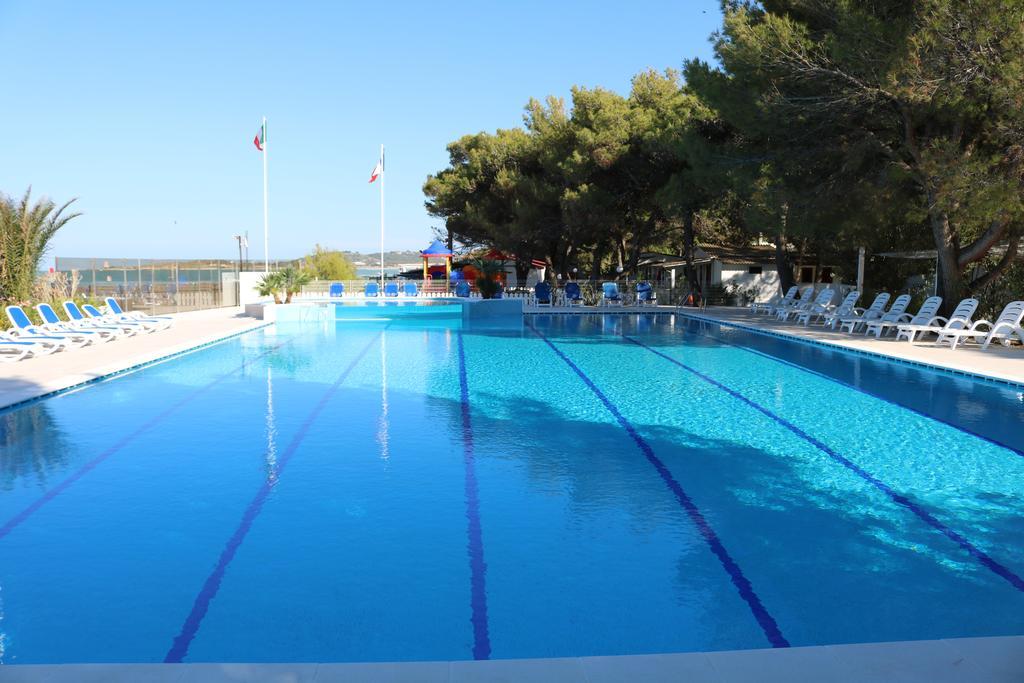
292 280
271 284
25 234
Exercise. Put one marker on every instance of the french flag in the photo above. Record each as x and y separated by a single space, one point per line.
378 170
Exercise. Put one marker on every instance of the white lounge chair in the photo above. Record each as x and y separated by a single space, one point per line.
820 306
960 320
24 330
54 325
121 321
77 318
861 316
160 321
894 318
806 294
12 350
1006 326
845 308
778 299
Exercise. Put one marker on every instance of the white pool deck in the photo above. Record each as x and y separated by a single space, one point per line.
965 660
981 660
996 362
33 377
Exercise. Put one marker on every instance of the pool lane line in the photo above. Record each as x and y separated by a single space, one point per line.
981 556
474 532
746 590
208 591
52 493
846 384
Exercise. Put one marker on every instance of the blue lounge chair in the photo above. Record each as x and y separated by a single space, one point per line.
573 296
13 349
76 317
336 290
645 293
53 324
163 321
371 289
410 289
542 294
390 289
610 294
25 330
462 289
108 319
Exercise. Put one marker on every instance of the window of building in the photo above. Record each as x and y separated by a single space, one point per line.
807 274
754 270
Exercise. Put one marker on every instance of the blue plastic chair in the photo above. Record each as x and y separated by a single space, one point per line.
573 295
542 293
644 293
462 289
371 289
410 289
610 294
336 290
390 289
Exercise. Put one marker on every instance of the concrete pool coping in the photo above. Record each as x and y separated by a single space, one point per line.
997 364
978 660
33 378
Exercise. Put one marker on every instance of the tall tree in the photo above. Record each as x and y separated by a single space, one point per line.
25 233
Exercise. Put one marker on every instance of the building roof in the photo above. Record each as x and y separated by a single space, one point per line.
706 253
436 248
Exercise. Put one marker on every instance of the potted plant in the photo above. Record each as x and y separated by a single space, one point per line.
292 280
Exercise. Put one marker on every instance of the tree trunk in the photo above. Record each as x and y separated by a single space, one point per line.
950 283
688 240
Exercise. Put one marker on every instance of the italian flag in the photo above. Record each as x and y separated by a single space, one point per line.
261 138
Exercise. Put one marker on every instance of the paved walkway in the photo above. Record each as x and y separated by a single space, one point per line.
32 377
966 660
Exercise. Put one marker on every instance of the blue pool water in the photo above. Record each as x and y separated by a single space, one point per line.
405 488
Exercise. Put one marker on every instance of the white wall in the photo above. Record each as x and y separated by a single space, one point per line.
762 286
248 288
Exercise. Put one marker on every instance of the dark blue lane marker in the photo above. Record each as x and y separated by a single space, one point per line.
980 555
179 648
743 585
474 531
844 383
50 494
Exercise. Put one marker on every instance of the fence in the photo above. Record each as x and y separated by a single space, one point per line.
153 285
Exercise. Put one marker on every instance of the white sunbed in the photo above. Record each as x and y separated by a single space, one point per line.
25 330
845 308
782 310
820 306
1006 326
860 316
778 299
960 320
894 318
12 349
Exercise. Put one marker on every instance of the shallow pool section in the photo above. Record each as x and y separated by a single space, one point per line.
383 488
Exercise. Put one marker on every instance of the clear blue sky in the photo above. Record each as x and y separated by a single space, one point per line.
146 110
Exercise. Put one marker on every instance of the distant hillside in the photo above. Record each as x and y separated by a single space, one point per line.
391 258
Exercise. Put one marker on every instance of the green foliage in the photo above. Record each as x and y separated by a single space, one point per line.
825 125
25 233
271 284
329 264
292 280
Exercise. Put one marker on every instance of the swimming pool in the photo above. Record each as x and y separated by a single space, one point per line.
413 489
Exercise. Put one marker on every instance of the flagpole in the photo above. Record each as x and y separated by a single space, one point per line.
266 218
382 218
